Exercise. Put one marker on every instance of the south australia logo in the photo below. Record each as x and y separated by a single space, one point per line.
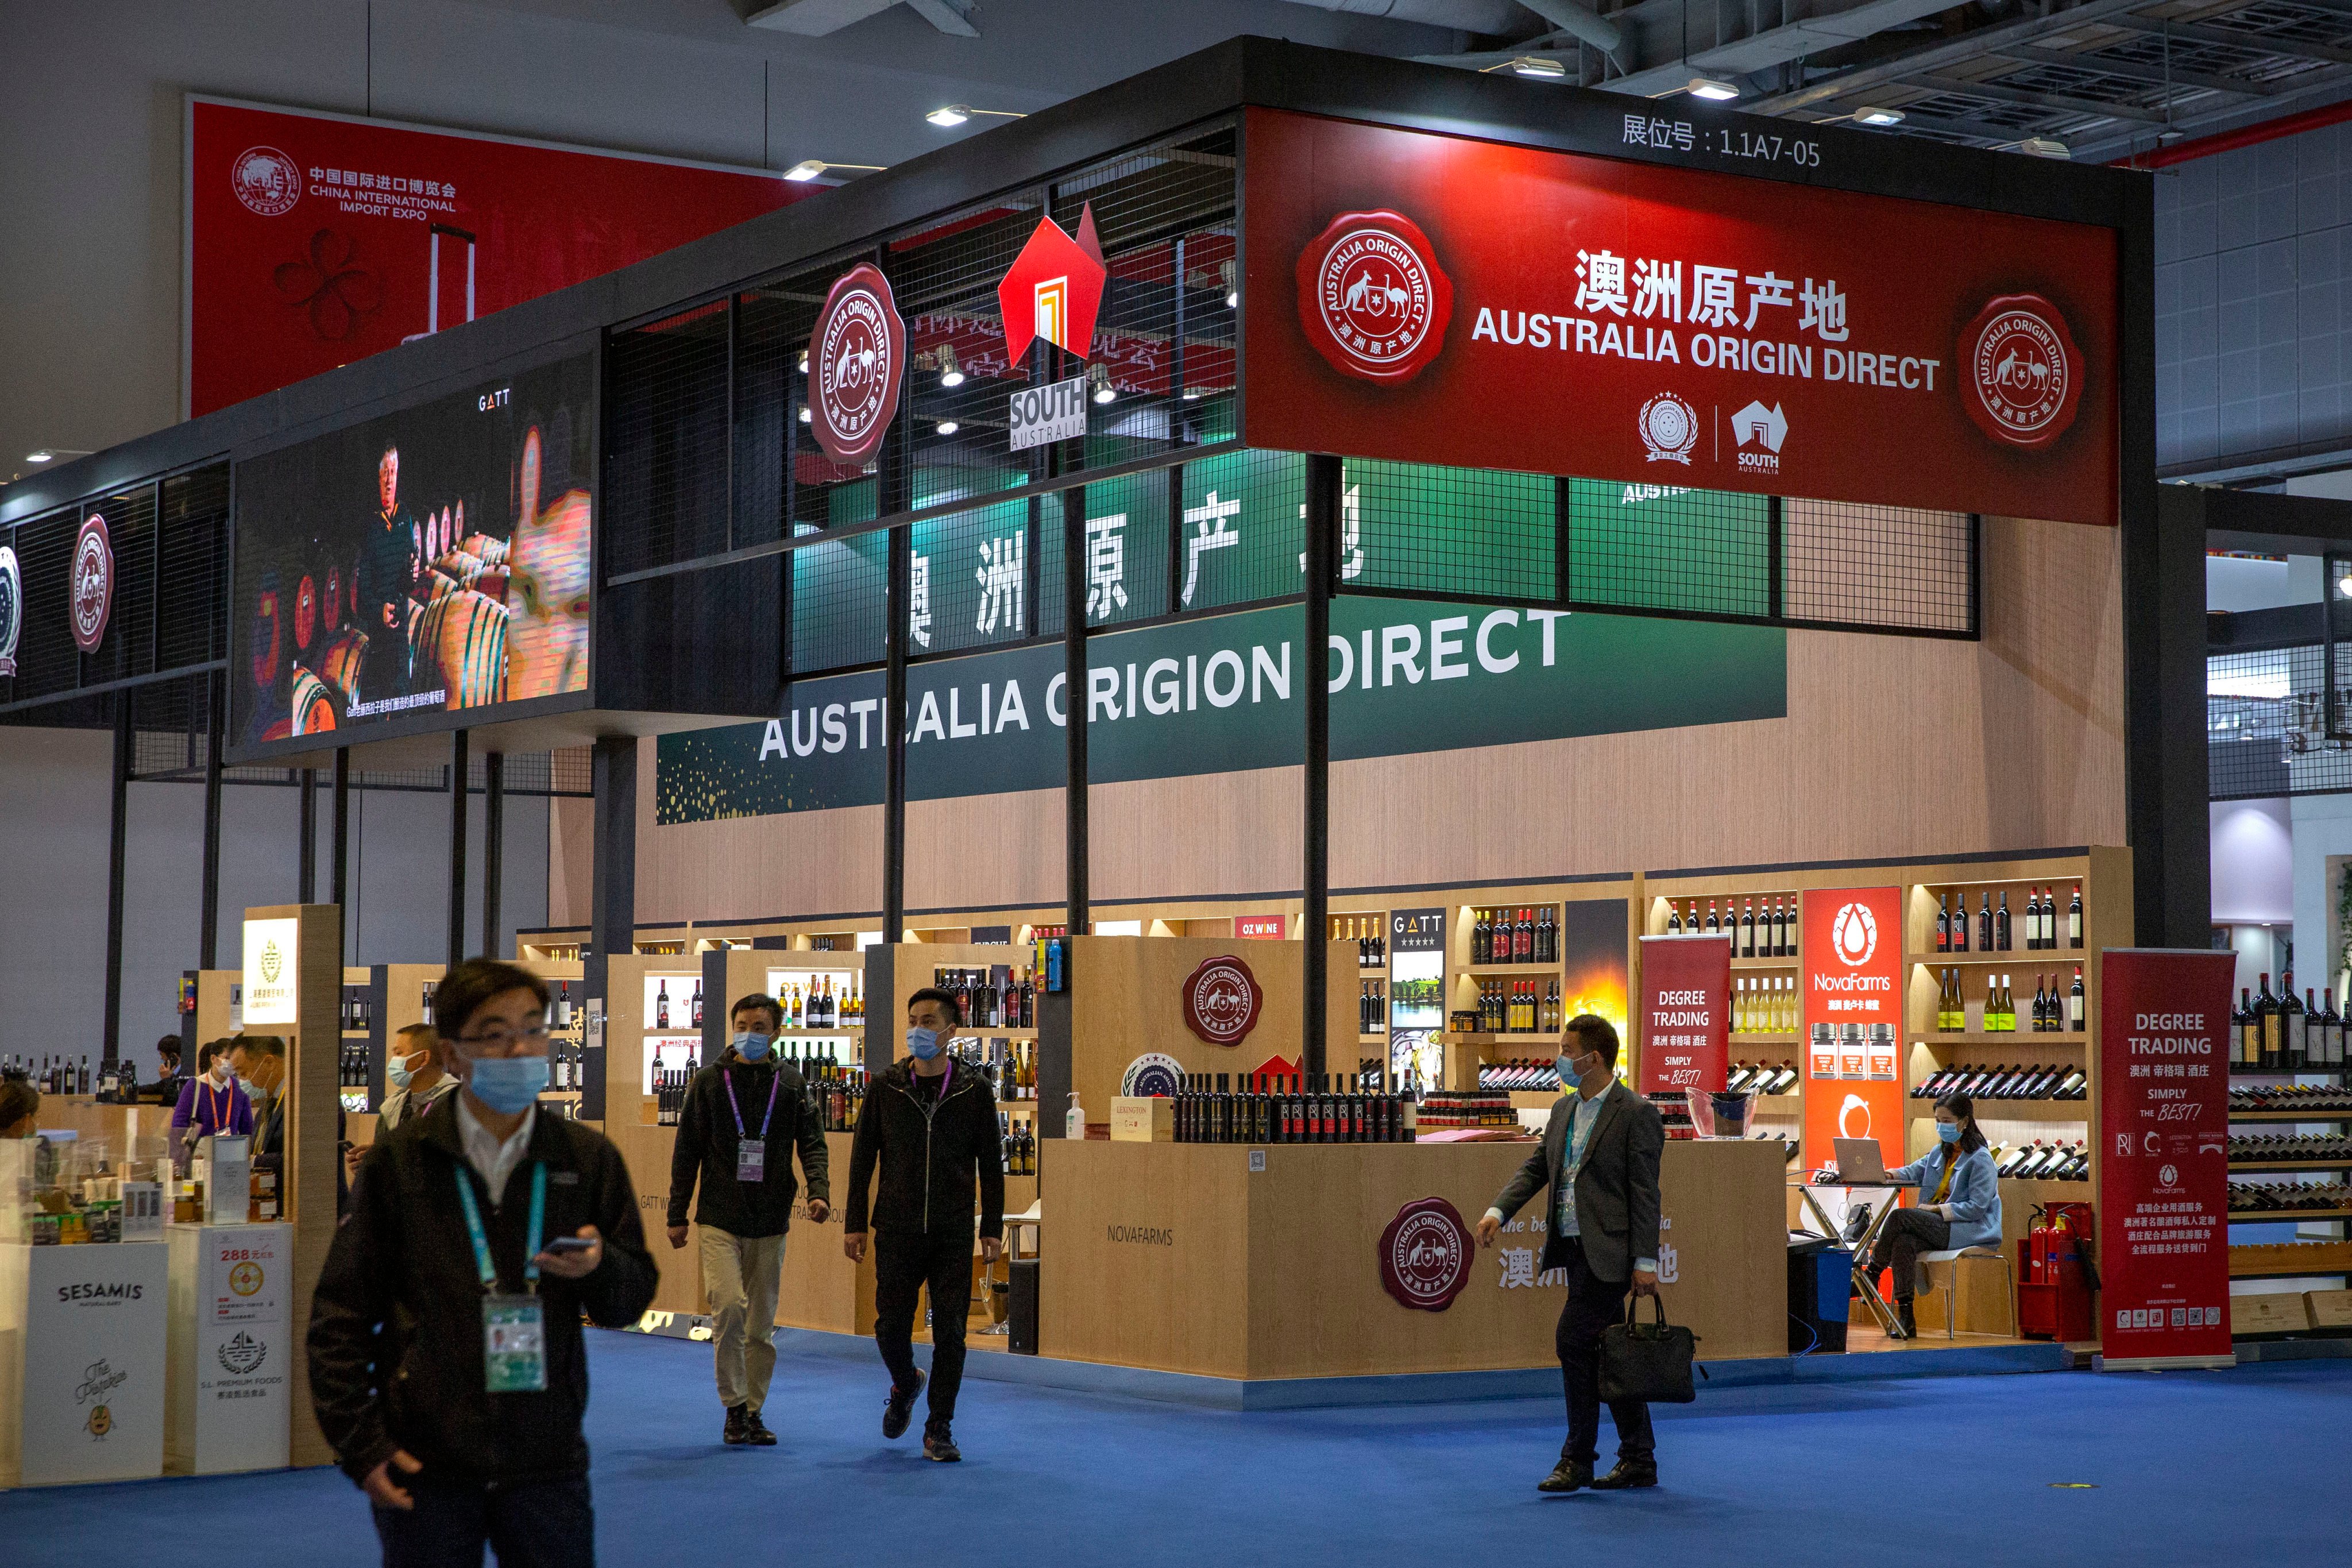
1372 297
857 355
2021 375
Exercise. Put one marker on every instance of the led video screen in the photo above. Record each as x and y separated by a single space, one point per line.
427 563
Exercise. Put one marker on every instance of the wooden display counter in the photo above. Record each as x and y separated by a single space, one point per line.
1184 1257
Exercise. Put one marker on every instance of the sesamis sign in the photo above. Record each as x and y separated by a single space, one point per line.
1436 300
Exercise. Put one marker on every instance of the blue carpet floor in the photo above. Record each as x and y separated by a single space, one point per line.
2187 1467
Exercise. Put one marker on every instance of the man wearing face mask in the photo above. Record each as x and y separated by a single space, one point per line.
260 1063
744 1115
447 1368
931 1131
413 1081
1600 1159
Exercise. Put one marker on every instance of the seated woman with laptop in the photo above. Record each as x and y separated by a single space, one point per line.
1958 1206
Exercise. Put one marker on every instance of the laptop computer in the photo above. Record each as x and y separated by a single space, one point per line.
1860 1163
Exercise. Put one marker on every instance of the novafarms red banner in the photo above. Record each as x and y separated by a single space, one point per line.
1685 1012
2164 1165
1438 300
317 240
1852 945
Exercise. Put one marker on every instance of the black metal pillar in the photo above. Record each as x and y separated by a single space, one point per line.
494 818
339 864
306 876
893 740
1077 705
112 1044
1315 684
208 922
612 916
457 768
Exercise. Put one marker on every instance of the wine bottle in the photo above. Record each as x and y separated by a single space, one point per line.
1746 947
2075 1002
661 1008
1674 919
2074 919
2291 1021
1943 923
1984 923
2000 924
1960 922
2244 1043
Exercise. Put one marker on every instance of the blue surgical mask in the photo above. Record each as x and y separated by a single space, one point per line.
397 1072
922 1043
751 1047
1949 1131
1565 1067
508 1085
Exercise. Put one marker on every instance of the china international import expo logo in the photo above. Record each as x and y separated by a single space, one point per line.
856 356
2021 375
265 180
1373 298
1222 999
1425 1255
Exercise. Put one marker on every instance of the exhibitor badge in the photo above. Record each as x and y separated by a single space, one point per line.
1425 1255
2021 375
857 355
1372 299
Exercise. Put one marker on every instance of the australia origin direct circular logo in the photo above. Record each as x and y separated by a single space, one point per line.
90 584
2021 375
1373 298
12 608
1221 1000
855 357
1425 1255
265 180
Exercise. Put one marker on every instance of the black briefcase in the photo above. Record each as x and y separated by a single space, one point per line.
1650 1361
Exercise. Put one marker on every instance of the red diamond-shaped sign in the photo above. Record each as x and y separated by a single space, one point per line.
1054 289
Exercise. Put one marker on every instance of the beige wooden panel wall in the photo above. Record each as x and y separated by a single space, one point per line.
1892 746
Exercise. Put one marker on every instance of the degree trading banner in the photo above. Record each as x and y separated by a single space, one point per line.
1432 298
429 561
1221 694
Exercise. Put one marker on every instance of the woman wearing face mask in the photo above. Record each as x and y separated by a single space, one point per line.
213 1101
1960 1202
447 1369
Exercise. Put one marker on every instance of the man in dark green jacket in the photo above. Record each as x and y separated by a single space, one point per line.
447 1368
744 1115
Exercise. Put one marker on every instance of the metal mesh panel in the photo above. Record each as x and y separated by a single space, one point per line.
1668 547
129 647
771 325
2265 734
46 660
1468 532
1889 566
1127 555
665 434
1243 535
193 566
968 580
839 588
960 380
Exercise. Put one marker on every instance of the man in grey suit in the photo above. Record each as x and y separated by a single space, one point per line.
1599 1158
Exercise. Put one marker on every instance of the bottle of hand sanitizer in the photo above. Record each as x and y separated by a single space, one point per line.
1074 1125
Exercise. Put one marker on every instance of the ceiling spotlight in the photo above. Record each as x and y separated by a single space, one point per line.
1873 116
804 364
808 169
947 426
950 373
954 114
1714 89
806 417
1230 276
51 454
2045 147
43 456
1538 68
1100 376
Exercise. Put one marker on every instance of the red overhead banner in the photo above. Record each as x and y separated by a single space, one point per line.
1853 946
2164 1167
317 240
1438 300
1685 1012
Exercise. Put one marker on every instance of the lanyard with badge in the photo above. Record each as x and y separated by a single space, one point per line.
514 1328
752 1153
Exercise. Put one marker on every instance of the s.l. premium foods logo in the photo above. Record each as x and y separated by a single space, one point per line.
856 357
12 608
1425 1255
1855 935
243 1355
1669 428
272 962
1372 299
265 180
1221 999
2021 375
90 584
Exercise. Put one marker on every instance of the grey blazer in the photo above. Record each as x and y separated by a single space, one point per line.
1616 1187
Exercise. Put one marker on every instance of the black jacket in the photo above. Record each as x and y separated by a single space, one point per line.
395 1338
1616 1187
707 1141
929 1154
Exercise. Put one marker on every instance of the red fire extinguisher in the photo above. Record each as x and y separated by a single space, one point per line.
2040 1249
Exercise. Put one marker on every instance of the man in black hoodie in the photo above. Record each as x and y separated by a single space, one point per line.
931 1131
744 1115
447 1368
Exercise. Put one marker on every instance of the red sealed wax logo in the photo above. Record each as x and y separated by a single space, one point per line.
1372 297
1425 1255
1222 1000
857 355
2020 376
90 584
